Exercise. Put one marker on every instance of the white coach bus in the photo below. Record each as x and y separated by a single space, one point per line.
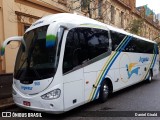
66 60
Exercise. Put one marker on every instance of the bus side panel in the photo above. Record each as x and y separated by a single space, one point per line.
130 68
92 74
90 78
73 89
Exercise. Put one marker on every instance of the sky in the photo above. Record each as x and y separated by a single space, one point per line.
152 4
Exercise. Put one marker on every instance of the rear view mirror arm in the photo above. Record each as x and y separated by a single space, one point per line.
8 40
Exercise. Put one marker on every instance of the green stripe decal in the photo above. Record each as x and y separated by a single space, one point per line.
50 40
122 43
2 51
104 73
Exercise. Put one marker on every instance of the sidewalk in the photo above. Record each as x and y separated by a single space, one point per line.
6 102
6 90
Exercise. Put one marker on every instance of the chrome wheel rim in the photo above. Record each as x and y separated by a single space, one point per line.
105 91
150 78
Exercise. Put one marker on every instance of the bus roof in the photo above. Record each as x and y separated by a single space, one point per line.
78 20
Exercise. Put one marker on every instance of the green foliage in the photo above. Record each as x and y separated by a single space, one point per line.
135 26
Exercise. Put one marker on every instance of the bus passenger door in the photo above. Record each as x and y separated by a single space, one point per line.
73 89
73 78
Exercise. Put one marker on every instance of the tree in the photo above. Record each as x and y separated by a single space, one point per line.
135 26
157 37
158 42
95 9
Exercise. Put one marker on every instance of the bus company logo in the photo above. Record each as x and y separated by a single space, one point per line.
142 60
37 83
26 88
131 69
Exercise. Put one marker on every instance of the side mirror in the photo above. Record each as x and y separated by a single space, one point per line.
7 41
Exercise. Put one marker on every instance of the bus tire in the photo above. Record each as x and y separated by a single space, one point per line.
104 91
150 78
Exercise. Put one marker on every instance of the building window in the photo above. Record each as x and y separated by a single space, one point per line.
24 21
149 33
22 27
112 14
84 5
26 26
64 2
100 8
122 19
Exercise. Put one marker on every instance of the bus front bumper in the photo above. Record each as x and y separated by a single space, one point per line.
36 103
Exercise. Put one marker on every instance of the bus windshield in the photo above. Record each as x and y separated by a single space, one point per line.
37 62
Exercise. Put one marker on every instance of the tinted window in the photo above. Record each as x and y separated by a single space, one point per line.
157 49
135 45
84 44
116 39
139 46
37 62
132 46
98 42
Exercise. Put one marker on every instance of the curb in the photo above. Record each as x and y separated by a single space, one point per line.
5 103
6 106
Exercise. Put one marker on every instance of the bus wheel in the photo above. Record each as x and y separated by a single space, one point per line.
104 91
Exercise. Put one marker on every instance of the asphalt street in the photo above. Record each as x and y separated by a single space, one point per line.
140 97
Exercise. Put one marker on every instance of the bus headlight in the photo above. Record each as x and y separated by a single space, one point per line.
54 94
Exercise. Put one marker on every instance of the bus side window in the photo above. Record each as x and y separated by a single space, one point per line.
116 39
157 49
83 44
67 61
98 42
75 49
132 46
139 46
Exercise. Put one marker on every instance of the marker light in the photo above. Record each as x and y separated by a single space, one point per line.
54 94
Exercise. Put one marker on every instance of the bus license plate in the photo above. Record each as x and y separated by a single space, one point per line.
26 103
